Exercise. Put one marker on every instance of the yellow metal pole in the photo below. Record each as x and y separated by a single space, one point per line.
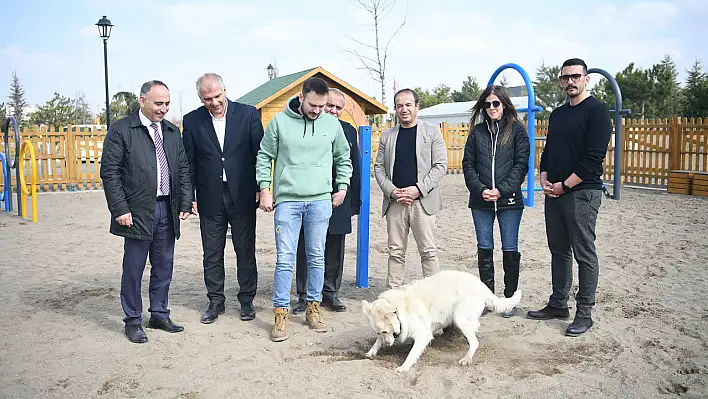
21 175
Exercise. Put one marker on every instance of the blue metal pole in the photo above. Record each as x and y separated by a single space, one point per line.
531 109
5 182
12 163
362 238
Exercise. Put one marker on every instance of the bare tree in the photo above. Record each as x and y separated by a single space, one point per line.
373 57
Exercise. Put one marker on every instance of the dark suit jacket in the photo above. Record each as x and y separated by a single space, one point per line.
341 220
207 161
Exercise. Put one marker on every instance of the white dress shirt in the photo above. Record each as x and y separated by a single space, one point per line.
147 122
220 128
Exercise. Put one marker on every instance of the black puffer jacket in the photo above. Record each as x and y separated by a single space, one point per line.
510 160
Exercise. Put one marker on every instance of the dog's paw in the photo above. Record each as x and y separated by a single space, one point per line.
370 354
438 332
403 368
465 361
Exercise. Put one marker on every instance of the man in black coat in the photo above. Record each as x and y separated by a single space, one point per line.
340 223
222 139
145 178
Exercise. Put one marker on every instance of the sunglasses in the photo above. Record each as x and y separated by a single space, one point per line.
575 77
492 104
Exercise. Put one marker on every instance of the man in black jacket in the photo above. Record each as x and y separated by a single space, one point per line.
146 182
340 223
222 139
572 165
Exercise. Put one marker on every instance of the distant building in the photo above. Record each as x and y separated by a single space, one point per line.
461 112
26 111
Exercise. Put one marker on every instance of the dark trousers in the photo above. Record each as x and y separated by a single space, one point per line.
161 250
334 265
243 236
570 229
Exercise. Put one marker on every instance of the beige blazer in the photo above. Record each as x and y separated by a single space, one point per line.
431 155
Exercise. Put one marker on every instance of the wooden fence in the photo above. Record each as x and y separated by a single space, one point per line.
69 159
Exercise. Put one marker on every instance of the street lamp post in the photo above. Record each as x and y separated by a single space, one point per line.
271 71
104 30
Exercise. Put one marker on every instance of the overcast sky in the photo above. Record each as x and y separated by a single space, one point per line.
54 45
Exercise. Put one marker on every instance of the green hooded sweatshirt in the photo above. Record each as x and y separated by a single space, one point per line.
304 152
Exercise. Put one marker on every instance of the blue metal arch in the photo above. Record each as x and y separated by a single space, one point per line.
5 195
11 163
531 110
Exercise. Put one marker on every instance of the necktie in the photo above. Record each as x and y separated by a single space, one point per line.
162 160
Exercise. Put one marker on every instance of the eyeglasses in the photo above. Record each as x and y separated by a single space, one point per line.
492 104
575 77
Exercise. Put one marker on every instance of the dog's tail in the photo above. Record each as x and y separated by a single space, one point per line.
501 305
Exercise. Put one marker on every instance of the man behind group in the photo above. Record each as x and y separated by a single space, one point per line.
340 223
305 144
222 139
410 163
571 177
145 176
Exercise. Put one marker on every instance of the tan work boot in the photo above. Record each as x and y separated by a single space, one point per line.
281 327
313 316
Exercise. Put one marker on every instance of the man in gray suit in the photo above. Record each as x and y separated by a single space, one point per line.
410 163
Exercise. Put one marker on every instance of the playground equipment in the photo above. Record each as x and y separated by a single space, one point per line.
18 163
5 195
531 110
619 140
362 225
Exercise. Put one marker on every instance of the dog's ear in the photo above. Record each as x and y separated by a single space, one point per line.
366 306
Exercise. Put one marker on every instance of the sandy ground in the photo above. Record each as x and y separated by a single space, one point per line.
62 333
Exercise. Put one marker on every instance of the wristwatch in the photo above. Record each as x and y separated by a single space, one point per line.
565 188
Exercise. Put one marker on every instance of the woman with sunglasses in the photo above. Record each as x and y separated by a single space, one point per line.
495 164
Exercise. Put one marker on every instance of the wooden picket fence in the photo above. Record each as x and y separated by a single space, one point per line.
69 158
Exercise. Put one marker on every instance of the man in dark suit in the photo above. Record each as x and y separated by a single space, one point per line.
145 178
221 140
340 223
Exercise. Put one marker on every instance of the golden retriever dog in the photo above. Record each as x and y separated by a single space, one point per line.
421 309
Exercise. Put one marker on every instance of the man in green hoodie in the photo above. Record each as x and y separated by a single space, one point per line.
303 143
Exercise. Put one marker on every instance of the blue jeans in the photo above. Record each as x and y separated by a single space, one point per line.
313 217
509 221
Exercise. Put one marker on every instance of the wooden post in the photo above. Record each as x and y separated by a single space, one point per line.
70 141
675 144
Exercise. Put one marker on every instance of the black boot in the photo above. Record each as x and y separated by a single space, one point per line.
485 261
512 259
511 277
300 305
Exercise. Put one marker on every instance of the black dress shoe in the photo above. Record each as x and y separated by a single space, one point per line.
579 326
213 312
300 306
247 312
135 333
164 324
334 304
548 313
